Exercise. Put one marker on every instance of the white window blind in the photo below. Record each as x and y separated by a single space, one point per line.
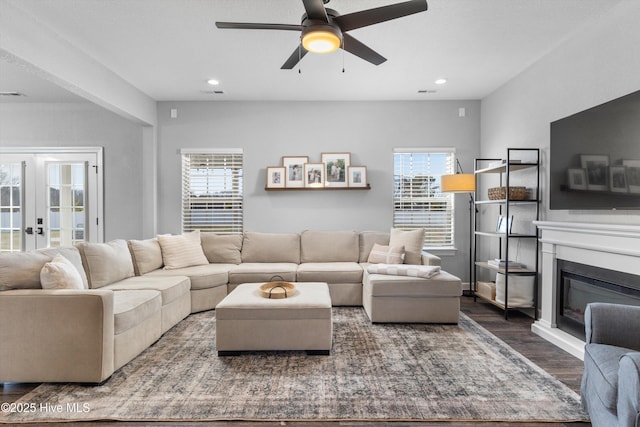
417 199
212 191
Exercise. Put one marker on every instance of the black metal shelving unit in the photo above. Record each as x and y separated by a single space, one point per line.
518 159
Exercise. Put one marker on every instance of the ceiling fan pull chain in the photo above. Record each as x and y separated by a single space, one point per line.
299 58
343 56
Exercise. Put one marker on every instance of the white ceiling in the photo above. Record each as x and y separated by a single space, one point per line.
169 48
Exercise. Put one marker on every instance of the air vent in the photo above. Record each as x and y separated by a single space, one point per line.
427 91
12 94
213 92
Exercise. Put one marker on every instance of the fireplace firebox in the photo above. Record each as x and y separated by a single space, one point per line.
582 284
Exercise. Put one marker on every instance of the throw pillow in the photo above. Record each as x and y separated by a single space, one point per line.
412 240
60 273
182 250
381 254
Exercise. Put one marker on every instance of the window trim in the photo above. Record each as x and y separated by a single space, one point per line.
236 198
450 151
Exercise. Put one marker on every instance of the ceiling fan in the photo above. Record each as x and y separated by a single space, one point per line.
325 30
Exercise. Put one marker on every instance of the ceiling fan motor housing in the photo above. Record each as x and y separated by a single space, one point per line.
320 37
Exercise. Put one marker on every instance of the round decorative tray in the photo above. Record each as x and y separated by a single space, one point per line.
277 290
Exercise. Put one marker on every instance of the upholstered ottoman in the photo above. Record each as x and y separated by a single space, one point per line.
246 321
404 299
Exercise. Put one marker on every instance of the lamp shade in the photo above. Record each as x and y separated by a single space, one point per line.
459 183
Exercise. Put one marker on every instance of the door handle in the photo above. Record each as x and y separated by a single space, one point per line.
28 230
39 230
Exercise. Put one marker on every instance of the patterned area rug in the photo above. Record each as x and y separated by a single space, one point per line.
375 372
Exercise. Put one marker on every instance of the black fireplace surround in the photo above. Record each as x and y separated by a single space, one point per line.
579 285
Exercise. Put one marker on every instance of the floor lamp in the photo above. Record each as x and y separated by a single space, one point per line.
463 183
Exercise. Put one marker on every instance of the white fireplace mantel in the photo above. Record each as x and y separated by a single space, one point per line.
610 246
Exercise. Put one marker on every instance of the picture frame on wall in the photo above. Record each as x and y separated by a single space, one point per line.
314 175
294 170
632 174
618 179
336 168
275 177
577 178
597 171
357 176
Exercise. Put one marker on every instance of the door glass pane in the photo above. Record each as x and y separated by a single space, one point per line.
11 207
66 205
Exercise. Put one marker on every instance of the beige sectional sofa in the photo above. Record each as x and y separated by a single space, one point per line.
130 293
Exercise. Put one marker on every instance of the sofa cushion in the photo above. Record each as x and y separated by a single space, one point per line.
329 246
271 247
412 240
201 276
59 273
223 249
249 272
133 307
184 250
330 272
146 255
171 288
106 263
601 362
21 270
386 254
441 285
368 239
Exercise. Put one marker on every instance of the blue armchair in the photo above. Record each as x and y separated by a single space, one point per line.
610 387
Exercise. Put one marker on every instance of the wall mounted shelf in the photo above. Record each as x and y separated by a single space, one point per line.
368 187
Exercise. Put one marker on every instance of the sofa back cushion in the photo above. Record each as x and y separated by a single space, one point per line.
368 239
412 240
146 255
224 249
271 247
329 246
21 270
183 250
106 263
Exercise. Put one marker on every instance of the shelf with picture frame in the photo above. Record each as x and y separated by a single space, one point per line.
333 172
522 165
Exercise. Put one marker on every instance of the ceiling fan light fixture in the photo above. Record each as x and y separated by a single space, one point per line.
321 41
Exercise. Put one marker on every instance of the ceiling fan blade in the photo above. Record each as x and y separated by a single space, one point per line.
295 57
364 18
256 26
315 10
361 50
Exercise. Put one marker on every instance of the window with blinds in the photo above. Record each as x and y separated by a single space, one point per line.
417 199
212 191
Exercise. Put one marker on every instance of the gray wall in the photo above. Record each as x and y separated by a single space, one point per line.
269 130
599 63
84 124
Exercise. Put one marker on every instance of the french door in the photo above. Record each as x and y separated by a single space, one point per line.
50 197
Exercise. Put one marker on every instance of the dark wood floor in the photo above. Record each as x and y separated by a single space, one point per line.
516 332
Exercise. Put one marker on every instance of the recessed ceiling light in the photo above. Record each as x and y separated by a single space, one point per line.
213 82
441 81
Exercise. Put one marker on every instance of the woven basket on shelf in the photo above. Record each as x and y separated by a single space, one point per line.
515 193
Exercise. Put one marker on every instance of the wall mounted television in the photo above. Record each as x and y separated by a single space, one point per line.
595 157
